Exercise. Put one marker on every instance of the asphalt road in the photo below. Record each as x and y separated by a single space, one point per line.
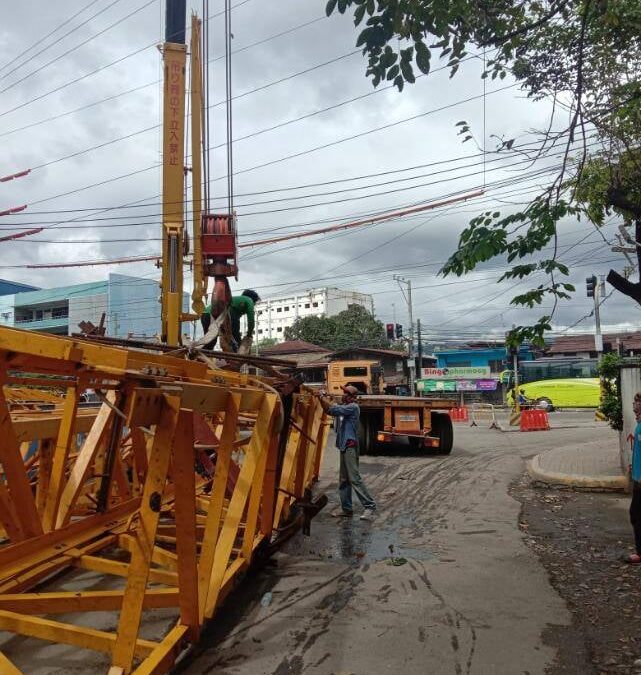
441 582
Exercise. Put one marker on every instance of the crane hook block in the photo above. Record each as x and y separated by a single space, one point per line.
219 245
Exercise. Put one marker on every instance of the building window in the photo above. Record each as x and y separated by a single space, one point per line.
314 304
59 312
38 315
287 309
260 331
279 309
307 305
279 329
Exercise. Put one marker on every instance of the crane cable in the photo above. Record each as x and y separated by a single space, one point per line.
229 115
205 111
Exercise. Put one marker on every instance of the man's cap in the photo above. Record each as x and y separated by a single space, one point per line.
349 389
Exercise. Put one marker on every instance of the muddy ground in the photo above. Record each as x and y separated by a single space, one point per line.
494 578
582 539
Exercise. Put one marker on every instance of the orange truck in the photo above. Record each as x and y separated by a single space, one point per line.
425 422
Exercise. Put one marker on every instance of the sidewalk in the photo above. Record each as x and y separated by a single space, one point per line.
588 465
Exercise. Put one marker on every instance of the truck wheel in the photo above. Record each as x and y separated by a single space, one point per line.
442 427
364 436
369 426
416 444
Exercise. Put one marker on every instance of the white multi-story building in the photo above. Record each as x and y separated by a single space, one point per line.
275 314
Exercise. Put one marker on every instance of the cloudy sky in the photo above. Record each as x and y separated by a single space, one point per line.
80 107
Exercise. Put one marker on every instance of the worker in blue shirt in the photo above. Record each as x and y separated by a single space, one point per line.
635 472
348 414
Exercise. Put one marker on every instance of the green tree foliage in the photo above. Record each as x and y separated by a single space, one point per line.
611 405
267 342
353 327
585 57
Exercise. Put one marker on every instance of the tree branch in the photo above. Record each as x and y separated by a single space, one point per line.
616 197
624 286
524 29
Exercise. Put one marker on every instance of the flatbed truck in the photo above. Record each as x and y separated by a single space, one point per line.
425 422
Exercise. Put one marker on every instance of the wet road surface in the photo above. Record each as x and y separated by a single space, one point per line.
440 582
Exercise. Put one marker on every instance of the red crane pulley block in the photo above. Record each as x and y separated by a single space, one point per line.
219 245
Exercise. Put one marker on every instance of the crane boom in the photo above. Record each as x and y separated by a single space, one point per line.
173 179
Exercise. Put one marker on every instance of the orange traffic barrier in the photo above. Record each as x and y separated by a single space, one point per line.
534 420
458 414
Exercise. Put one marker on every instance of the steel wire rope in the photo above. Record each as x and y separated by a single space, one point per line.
229 112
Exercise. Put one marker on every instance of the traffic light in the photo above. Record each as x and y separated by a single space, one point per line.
389 327
399 331
590 286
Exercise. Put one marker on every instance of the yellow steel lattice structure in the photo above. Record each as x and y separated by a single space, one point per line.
158 499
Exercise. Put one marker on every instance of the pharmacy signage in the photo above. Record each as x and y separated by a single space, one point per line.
455 373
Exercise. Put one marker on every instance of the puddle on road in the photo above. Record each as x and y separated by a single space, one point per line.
355 541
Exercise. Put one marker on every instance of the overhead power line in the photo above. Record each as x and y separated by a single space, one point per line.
78 46
155 82
97 70
48 35
499 157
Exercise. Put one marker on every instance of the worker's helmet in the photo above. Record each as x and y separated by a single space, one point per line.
252 295
351 390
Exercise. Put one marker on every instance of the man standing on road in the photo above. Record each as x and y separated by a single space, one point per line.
348 414
635 470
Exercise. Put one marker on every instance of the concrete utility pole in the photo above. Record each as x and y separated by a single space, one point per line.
594 289
410 311
419 363
408 299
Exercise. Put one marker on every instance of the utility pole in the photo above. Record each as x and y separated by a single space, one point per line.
419 367
594 289
408 299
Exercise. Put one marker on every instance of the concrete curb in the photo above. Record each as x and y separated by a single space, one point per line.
552 428
541 475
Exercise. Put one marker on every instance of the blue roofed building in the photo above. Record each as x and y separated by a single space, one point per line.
10 287
479 356
130 305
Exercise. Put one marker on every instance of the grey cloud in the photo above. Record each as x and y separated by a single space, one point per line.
431 138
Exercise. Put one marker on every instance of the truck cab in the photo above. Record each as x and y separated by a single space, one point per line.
366 376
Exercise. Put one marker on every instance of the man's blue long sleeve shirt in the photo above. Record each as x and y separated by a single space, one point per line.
348 414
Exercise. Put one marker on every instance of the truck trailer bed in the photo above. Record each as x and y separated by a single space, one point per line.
424 422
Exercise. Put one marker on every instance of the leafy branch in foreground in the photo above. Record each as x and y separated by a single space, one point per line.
582 55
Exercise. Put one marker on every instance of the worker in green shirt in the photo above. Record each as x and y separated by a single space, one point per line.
241 305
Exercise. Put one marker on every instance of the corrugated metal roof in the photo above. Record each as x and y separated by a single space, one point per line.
585 343
372 352
293 347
